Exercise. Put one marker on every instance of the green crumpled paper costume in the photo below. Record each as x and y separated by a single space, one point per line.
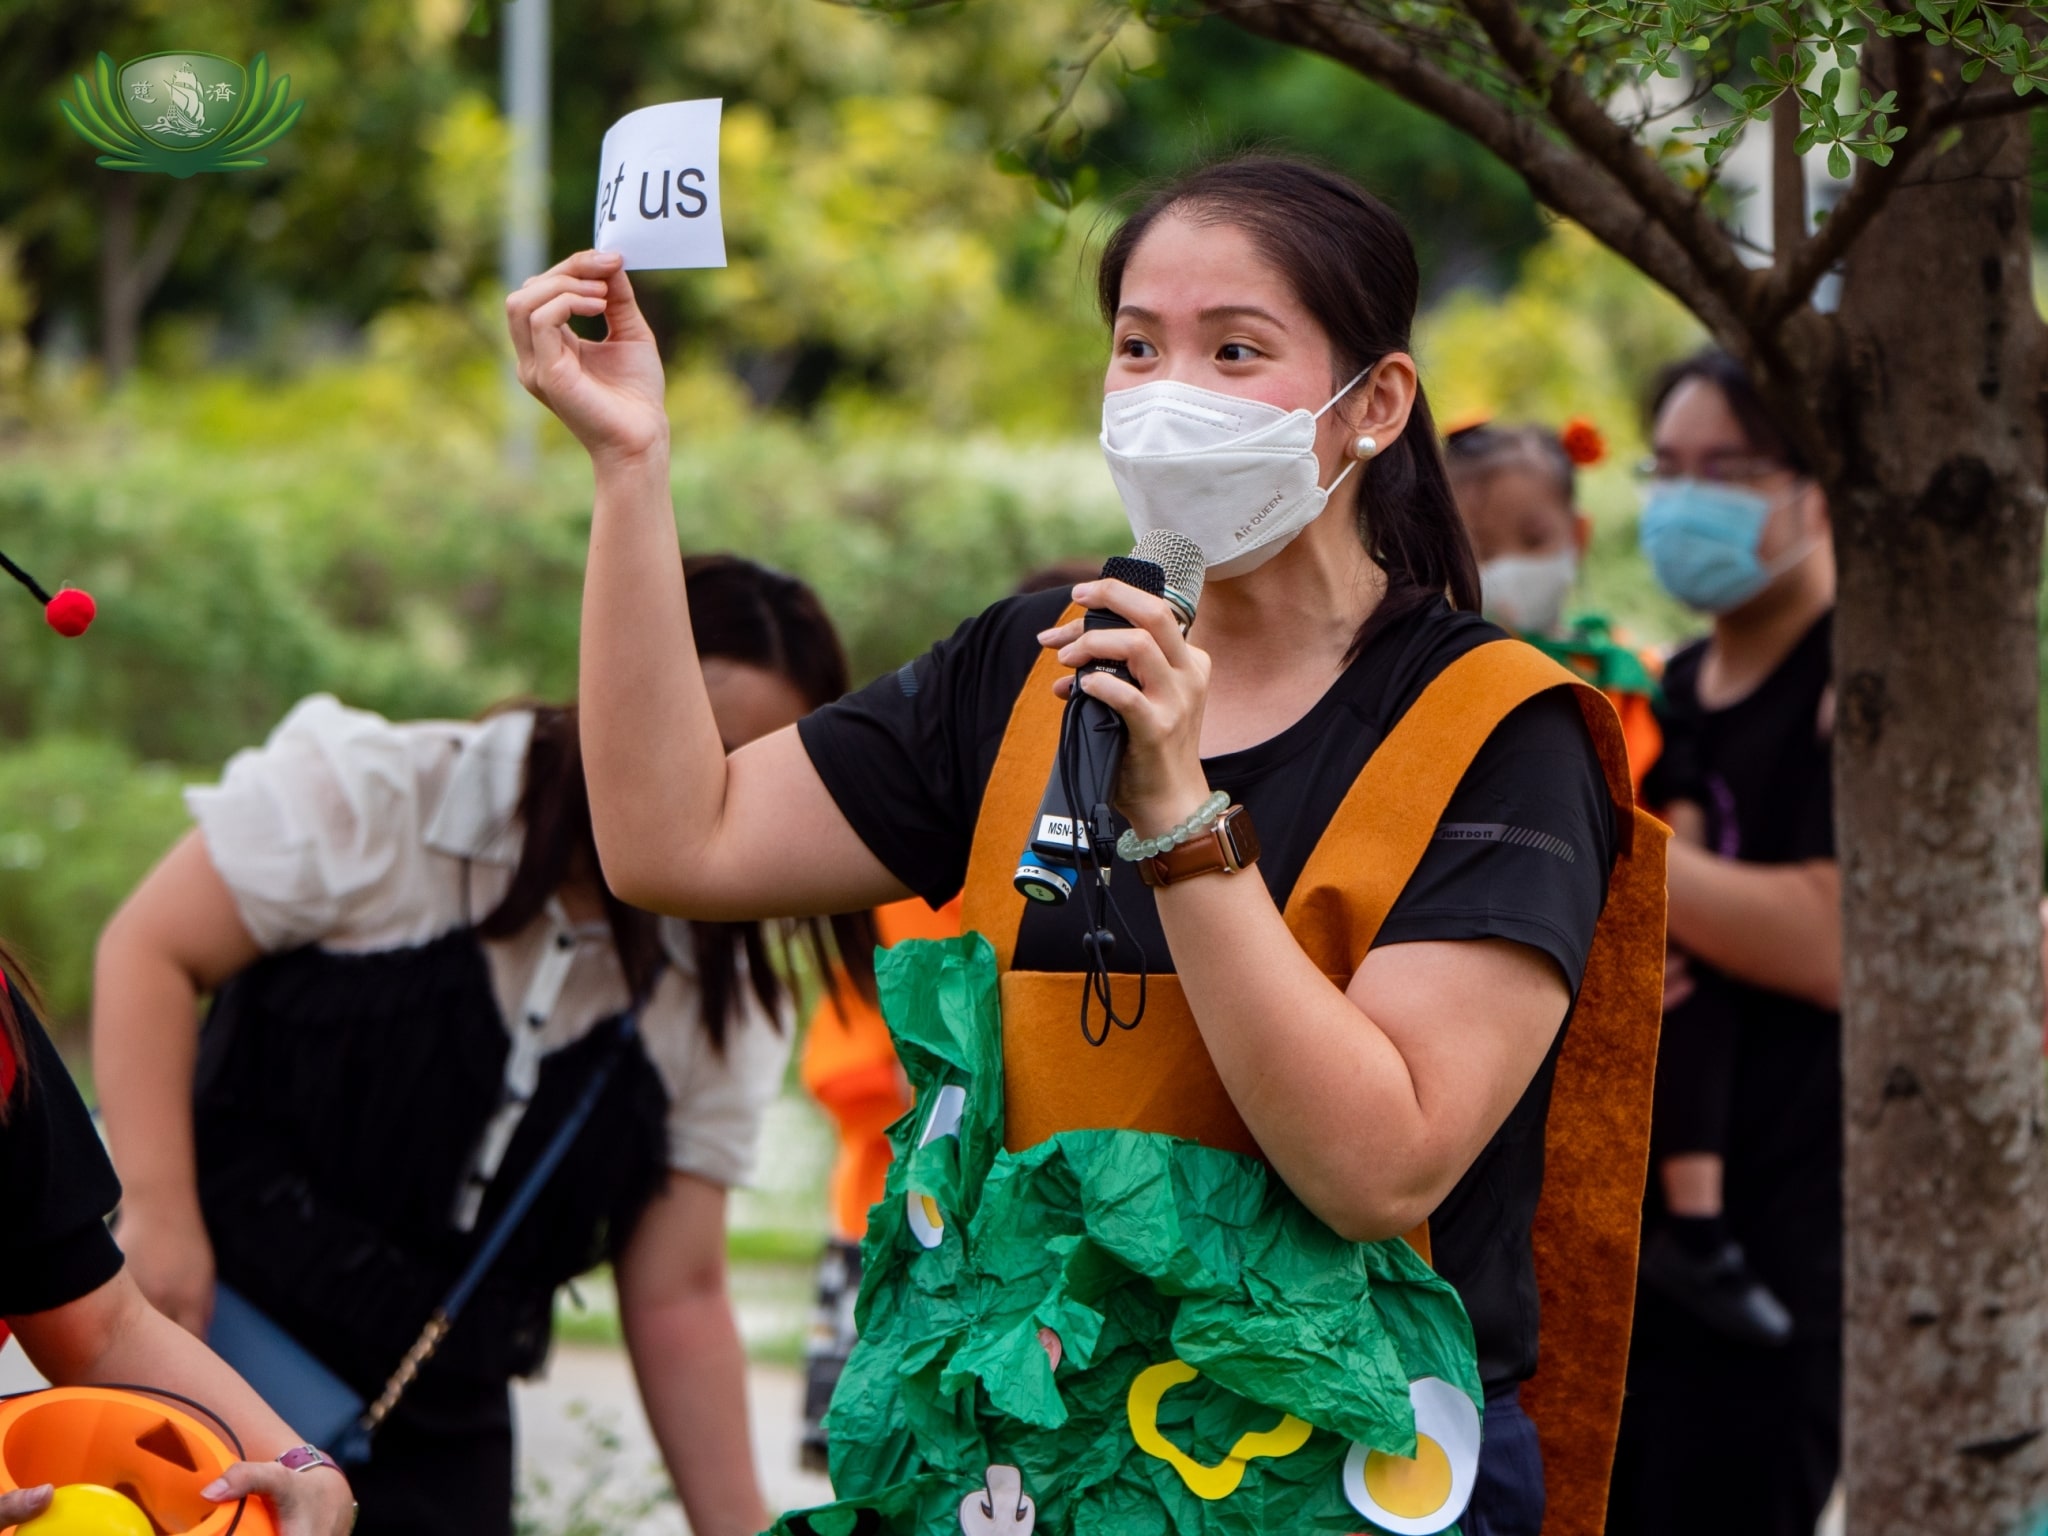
1010 1303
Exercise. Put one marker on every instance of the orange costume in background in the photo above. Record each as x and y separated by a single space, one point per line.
849 1067
1627 676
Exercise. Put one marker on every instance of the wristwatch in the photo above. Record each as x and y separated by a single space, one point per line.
304 1458
1225 848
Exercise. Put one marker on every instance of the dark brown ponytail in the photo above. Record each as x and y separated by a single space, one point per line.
1352 266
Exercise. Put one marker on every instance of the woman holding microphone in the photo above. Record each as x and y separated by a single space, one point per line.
1259 313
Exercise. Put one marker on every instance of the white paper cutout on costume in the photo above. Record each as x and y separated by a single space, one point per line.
1429 1493
927 1221
657 187
1002 1508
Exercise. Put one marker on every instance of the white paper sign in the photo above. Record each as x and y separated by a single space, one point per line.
657 187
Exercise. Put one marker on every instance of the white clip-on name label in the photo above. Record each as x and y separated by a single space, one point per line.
657 187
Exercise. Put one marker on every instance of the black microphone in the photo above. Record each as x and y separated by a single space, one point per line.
1092 738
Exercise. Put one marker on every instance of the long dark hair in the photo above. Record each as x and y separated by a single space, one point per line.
741 612
1352 265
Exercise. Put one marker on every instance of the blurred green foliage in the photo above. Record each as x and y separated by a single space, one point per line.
881 264
877 254
891 390
80 820
423 579
352 527
1215 89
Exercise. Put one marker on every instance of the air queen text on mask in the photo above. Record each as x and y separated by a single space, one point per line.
1237 476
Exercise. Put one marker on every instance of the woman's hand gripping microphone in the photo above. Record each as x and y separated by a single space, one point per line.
1161 779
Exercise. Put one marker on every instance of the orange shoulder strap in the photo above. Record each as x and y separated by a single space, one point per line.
1596 1150
1597 1136
990 904
1386 821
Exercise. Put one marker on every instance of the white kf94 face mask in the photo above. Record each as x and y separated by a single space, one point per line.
1239 477
1527 593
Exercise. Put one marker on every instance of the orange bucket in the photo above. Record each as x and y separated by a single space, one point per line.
154 1452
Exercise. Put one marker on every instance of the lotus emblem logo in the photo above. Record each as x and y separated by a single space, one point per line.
182 113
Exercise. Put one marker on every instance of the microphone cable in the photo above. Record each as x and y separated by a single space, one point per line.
1099 942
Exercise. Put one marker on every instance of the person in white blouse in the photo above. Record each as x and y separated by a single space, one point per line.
416 968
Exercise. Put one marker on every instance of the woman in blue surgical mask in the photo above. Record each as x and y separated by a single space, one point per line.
1738 1326
1732 528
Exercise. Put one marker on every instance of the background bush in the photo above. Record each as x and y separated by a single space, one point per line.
352 527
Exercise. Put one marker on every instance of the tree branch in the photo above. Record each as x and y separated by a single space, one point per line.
1569 182
1615 150
1788 177
1976 106
1799 267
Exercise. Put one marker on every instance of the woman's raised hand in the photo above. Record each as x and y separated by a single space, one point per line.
609 393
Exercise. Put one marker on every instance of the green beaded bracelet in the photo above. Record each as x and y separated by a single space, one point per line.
1131 847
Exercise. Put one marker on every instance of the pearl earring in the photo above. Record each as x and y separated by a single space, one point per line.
1364 448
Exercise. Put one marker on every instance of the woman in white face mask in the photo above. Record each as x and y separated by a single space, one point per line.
1517 489
1369 995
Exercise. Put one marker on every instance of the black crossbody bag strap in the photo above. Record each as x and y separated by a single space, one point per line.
502 1229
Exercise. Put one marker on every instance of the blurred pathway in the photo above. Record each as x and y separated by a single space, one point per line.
584 1417
588 1462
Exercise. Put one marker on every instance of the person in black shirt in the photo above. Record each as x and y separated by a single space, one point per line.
1739 1316
1258 298
66 1296
64 1290
906 760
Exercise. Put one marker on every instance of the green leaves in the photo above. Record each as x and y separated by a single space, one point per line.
100 124
1813 57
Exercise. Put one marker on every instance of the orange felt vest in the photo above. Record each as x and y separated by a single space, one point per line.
1159 1077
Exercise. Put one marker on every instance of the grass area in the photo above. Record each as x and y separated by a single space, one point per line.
775 1246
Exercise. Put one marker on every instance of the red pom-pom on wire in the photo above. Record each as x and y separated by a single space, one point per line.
1582 442
70 612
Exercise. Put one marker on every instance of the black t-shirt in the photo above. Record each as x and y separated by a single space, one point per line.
1523 853
1762 771
56 1186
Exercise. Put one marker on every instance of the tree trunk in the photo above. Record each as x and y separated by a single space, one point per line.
1936 409
129 276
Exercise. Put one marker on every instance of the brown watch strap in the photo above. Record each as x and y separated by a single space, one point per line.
1225 848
